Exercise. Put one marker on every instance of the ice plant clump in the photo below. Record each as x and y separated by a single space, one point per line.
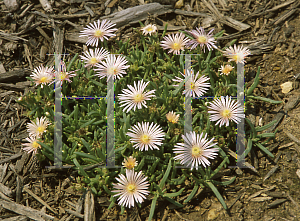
38 128
146 136
91 58
224 110
202 39
42 75
135 97
97 31
112 67
32 146
196 150
226 69
131 188
149 29
172 117
129 163
237 54
175 43
198 87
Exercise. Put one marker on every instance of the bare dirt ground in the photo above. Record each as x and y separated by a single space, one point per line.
274 40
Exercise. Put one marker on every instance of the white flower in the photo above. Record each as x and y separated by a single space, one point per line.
97 31
172 117
129 163
64 74
201 38
146 136
237 54
32 146
38 128
42 75
92 58
135 97
175 43
149 29
196 150
224 110
112 67
226 69
198 87
131 188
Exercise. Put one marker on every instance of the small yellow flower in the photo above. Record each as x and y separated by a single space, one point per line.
129 163
226 69
172 117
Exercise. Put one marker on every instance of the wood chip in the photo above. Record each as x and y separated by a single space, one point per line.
273 170
276 203
292 137
89 207
46 5
12 5
26 211
261 199
138 13
38 199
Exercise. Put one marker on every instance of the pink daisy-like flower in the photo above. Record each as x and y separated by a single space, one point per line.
91 58
196 150
135 96
32 146
97 31
201 38
198 87
64 74
112 67
224 110
226 69
38 128
131 188
175 43
146 136
237 54
149 29
42 75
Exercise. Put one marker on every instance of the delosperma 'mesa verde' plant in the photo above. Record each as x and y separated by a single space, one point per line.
149 114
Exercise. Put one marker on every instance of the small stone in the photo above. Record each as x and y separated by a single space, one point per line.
212 214
276 68
286 87
179 4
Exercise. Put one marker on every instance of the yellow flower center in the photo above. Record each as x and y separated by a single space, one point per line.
149 29
196 151
131 188
202 39
40 129
93 61
138 97
35 145
145 139
43 80
226 113
129 165
63 75
98 33
176 46
192 85
111 71
236 57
